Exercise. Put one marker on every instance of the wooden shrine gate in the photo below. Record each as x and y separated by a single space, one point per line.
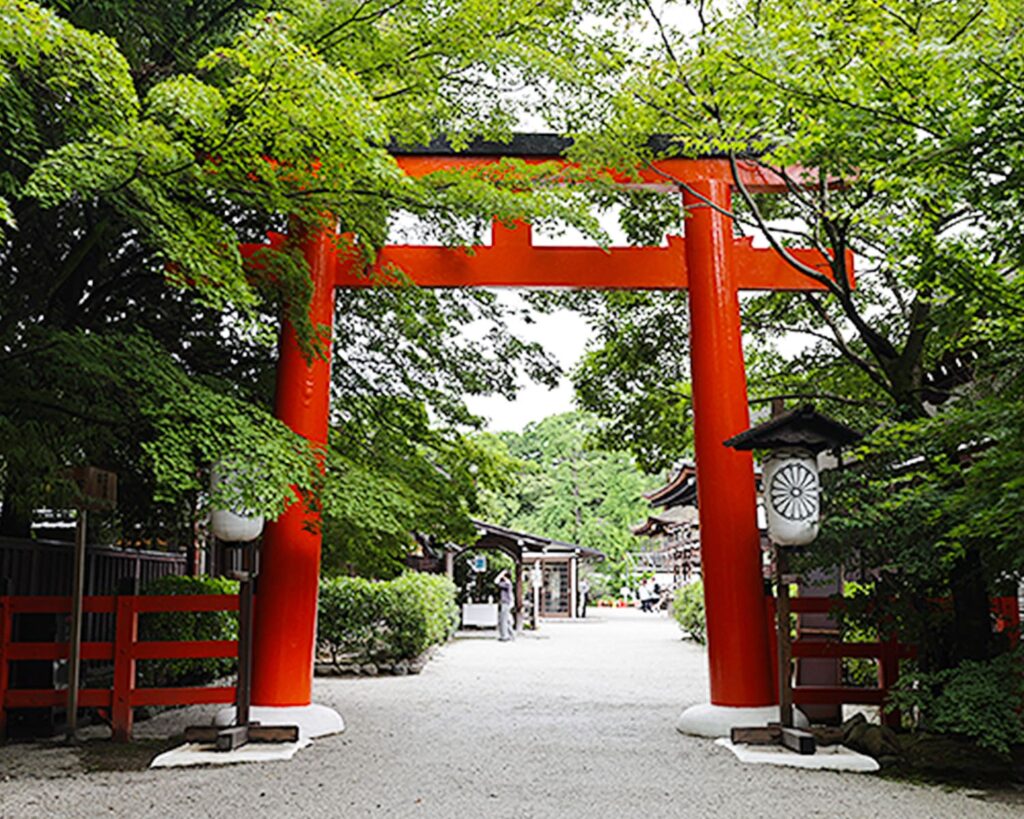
708 261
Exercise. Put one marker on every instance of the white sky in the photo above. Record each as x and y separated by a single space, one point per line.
563 335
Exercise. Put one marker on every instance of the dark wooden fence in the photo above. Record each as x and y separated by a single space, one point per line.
45 567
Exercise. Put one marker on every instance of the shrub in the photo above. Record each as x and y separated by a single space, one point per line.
980 699
385 621
688 610
184 625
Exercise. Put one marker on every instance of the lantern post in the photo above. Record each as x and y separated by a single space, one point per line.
234 727
792 500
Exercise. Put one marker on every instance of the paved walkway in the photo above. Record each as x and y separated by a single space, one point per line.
574 722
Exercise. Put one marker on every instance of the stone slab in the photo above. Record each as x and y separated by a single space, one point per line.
827 758
192 754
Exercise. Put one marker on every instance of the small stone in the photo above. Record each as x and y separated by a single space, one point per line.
851 723
400 669
881 741
854 738
370 670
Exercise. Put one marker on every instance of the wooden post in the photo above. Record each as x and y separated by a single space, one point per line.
739 667
126 633
784 643
888 674
284 630
243 696
75 647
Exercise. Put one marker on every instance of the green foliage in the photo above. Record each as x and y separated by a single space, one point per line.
927 516
206 625
977 699
688 611
140 142
382 621
891 134
392 473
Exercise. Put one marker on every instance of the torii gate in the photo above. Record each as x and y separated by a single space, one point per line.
711 264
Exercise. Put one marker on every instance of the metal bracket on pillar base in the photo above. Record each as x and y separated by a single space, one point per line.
235 736
312 720
775 733
715 721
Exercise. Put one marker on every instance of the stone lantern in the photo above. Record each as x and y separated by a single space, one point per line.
792 491
792 495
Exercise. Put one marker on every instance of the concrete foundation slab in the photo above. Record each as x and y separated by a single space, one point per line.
828 758
192 754
706 720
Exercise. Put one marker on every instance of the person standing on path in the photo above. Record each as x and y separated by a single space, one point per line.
584 589
504 606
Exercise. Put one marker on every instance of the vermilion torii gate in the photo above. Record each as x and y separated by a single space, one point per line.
709 262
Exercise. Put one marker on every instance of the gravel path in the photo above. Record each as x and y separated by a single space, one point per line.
575 721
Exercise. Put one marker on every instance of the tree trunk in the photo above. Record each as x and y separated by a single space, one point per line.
972 619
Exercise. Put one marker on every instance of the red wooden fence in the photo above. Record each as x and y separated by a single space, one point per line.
124 651
887 653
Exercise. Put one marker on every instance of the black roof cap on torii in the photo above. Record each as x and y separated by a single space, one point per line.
803 427
518 145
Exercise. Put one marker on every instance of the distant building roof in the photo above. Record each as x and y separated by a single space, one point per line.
515 541
680 490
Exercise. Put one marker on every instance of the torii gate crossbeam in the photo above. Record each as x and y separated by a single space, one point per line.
708 261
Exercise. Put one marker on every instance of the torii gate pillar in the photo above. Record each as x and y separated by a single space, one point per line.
739 662
284 641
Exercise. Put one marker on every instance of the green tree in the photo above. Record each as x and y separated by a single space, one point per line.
141 142
888 128
570 490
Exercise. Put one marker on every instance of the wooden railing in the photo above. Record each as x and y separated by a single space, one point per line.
887 654
124 651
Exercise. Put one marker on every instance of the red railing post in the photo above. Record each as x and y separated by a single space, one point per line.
127 629
888 674
6 631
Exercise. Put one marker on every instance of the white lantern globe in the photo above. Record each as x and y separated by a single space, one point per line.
232 525
792 496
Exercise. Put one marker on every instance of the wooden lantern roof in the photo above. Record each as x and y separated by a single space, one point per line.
803 427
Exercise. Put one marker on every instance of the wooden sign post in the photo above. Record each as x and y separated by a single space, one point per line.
97 490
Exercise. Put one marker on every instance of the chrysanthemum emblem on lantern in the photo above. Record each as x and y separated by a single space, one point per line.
792 496
792 492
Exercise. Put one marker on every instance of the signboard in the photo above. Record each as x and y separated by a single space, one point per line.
479 563
98 487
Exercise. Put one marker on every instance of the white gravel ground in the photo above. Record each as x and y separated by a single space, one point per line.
576 721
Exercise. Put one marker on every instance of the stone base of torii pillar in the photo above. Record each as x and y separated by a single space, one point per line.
707 720
313 720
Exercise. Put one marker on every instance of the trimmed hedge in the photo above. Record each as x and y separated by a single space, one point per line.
183 625
385 621
688 611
